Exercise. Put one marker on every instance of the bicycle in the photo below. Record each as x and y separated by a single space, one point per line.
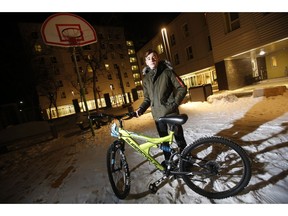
214 167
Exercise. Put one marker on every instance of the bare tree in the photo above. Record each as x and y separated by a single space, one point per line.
48 86
95 60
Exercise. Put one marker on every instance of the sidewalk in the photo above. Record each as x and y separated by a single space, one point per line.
259 86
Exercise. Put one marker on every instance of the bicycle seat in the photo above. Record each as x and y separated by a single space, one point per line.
175 119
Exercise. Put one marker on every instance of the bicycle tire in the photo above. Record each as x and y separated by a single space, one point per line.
118 170
220 167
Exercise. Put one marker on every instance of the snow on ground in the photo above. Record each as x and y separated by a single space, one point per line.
72 168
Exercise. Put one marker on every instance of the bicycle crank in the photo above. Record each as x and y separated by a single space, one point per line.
153 187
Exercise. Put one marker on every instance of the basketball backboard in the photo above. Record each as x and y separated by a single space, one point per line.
67 30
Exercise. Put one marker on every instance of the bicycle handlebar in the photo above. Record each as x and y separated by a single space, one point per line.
112 116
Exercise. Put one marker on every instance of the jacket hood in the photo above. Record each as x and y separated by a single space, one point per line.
162 64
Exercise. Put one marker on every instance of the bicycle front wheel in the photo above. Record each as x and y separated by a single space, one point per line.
218 167
118 170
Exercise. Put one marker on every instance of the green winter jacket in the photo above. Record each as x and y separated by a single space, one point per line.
163 90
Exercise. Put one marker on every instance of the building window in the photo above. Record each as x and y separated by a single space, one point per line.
134 67
109 77
185 30
111 46
107 67
112 55
38 48
63 95
42 60
127 84
172 40
56 71
125 75
232 21
176 59
121 56
138 83
274 61
132 59
136 76
89 69
209 42
189 53
59 83
129 43
53 59
160 49
103 46
131 51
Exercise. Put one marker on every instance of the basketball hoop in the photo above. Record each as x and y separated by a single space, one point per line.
69 30
72 35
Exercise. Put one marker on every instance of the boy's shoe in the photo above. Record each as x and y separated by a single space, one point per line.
164 164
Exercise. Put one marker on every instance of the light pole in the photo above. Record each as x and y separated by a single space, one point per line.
166 44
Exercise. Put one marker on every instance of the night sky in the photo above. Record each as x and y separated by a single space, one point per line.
16 83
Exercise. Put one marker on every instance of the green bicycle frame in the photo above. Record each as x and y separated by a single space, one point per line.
144 148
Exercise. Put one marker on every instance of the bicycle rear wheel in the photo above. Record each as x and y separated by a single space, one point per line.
219 168
118 170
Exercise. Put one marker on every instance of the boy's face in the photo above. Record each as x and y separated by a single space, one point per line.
152 60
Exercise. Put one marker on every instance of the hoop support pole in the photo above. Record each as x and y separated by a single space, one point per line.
82 93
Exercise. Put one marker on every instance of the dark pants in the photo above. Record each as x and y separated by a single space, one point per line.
162 129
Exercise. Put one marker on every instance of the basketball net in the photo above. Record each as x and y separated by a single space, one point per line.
72 35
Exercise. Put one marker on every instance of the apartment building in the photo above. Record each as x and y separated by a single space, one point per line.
117 77
185 42
248 47
228 50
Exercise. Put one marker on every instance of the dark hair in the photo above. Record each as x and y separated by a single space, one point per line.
148 52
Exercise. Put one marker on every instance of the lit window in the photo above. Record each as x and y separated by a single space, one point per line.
133 59
136 76
131 51
129 43
160 49
38 48
89 69
274 61
134 67
107 67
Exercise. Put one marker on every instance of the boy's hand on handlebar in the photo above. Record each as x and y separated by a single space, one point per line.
139 112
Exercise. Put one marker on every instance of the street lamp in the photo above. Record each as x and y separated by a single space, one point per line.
166 44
